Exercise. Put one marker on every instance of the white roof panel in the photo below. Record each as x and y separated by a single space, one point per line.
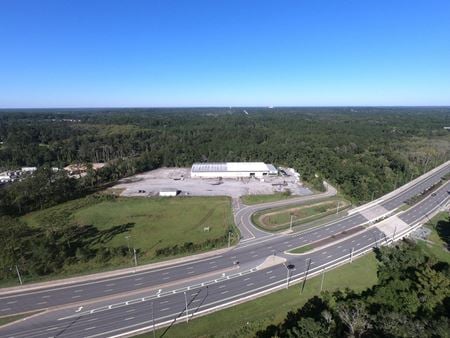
230 167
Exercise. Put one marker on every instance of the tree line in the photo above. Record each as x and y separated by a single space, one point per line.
366 152
410 299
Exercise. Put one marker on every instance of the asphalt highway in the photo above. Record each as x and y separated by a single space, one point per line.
208 283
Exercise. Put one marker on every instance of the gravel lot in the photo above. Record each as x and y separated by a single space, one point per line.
152 182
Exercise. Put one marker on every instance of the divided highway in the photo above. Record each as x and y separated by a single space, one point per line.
123 304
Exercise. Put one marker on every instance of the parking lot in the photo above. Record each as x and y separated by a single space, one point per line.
152 182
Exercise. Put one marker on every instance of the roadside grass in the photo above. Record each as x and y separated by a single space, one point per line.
439 238
147 224
279 218
302 249
257 199
13 318
246 319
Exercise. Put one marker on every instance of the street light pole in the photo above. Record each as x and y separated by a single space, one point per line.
18 275
127 237
323 276
393 235
135 258
287 276
186 304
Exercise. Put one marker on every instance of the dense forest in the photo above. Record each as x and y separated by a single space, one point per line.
410 299
366 152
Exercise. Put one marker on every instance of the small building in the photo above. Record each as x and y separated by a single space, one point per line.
168 192
29 169
233 170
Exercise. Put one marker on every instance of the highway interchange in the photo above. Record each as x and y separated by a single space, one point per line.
140 301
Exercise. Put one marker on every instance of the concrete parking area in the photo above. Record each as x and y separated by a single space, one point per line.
152 182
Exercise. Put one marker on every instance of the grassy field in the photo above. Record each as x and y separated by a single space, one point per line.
246 319
439 237
257 199
147 224
279 218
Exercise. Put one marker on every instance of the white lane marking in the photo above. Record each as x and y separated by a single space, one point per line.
129 318
138 279
48 296
189 268
190 272
214 266
222 286
165 309
14 301
166 278
5 309
272 277
269 272
165 273
255 255
329 256
224 292
164 302
51 328
110 284
137 284
90 328
131 310
42 303
250 284
246 279
108 290
79 290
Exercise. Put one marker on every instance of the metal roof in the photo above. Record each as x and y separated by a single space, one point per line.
231 167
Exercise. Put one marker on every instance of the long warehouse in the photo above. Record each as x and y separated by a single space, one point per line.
232 170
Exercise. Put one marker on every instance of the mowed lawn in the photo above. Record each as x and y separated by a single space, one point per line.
153 223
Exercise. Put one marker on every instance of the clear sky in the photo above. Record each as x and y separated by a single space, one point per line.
74 53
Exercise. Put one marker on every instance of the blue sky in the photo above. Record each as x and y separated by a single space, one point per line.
91 53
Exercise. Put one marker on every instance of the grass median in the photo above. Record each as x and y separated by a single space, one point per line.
246 319
280 218
257 199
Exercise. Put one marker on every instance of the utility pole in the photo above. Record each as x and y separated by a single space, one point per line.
186 304
153 319
18 275
323 276
290 227
351 255
135 258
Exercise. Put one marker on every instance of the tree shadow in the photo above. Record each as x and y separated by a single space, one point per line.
443 230
104 236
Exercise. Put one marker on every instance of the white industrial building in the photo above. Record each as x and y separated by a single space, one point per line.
232 170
